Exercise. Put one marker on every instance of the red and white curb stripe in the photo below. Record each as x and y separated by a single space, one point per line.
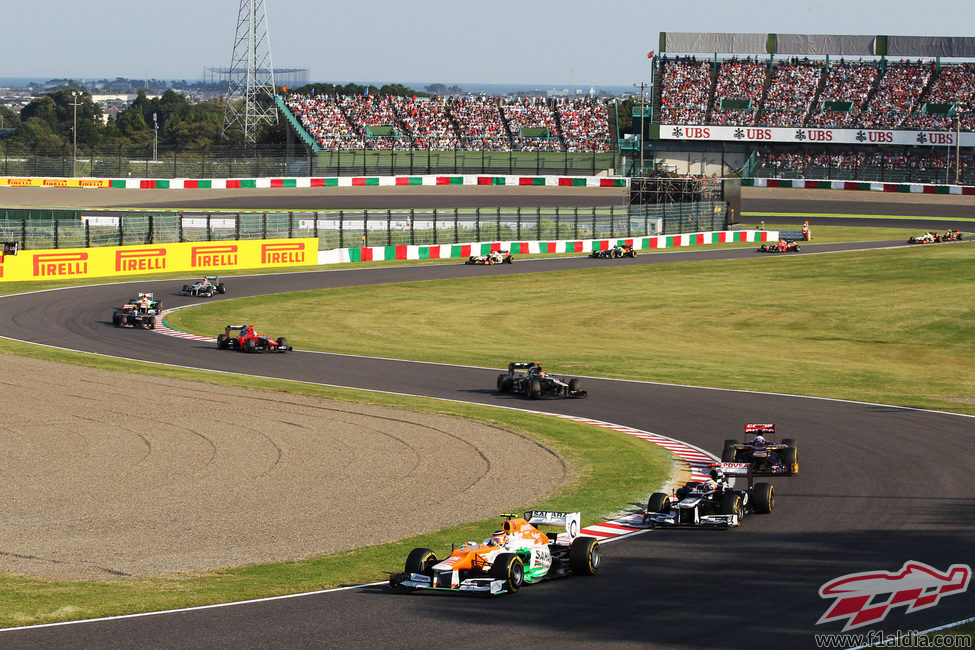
698 460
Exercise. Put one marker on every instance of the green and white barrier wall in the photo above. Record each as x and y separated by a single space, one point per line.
868 186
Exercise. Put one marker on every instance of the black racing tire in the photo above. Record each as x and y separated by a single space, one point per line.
789 442
509 568
282 344
249 345
117 320
420 560
575 385
612 254
501 383
584 556
152 322
730 442
659 502
221 288
223 341
796 249
534 389
790 458
729 454
186 288
763 498
732 504
510 259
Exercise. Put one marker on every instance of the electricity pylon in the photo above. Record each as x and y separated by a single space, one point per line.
250 86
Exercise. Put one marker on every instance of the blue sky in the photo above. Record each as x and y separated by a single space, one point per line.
501 41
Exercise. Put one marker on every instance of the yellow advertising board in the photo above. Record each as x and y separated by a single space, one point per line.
55 182
194 257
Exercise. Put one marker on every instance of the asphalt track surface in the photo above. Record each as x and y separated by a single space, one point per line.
879 486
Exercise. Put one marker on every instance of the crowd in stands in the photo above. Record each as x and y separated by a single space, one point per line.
445 124
872 94
790 93
801 162
685 91
738 80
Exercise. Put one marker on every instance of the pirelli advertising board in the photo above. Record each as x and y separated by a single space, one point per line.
192 257
55 182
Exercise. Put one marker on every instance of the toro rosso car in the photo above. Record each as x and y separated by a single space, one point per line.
763 454
781 246
138 312
249 340
205 288
496 257
515 555
621 250
712 503
527 378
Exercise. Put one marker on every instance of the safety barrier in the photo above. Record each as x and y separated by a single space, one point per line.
908 188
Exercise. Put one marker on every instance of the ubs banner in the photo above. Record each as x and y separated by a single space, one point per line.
814 135
194 257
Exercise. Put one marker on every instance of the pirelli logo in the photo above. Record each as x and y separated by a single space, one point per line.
210 256
53 265
54 182
283 253
140 259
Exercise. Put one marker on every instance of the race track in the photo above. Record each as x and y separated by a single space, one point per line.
879 486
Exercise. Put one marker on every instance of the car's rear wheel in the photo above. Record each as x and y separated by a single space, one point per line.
249 345
729 454
223 341
790 458
763 495
282 344
534 389
584 556
420 560
509 568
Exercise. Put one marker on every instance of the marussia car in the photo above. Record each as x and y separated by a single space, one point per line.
495 257
527 378
205 288
139 312
711 503
621 250
248 340
763 454
516 555
781 246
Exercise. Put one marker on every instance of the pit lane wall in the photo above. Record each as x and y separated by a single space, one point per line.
464 251
868 186
196 258
307 182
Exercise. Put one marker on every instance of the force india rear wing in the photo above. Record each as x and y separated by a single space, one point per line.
569 520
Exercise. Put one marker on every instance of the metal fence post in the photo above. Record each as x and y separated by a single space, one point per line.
209 227
341 228
150 234
87 234
456 228
365 227
575 223
499 224
558 223
23 234
477 224
594 222
519 222
389 227
263 225
121 230
236 226
57 233
291 225
315 227
412 226
434 225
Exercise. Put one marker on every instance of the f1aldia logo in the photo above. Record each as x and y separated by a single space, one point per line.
865 598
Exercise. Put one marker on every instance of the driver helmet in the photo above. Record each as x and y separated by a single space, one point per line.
499 538
759 440
717 474
542 373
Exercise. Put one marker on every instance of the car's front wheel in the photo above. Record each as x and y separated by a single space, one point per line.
509 568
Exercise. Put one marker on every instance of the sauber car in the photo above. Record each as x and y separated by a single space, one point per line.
205 288
495 257
763 454
527 378
138 312
614 252
781 246
712 503
249 340
515 555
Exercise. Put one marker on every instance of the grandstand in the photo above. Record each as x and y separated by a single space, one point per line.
890 108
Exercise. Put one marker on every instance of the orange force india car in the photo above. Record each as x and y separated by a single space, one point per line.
515 555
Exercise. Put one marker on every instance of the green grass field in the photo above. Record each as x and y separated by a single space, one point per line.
889 326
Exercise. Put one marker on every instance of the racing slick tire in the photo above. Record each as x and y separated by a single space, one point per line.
612 254
632 253
249 345
509 260
729 454
282 344
223 341
731 505
152 322
509 568
504 384
790 457
659 502
763 497
584 556
187 289
117 320
534 389
575 385
789 442
420 560
221 288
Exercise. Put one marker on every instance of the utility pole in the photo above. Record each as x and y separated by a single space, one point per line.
75 94
155 140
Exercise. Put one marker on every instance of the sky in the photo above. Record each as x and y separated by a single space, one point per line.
546 42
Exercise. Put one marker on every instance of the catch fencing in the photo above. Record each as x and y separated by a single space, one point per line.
47 229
